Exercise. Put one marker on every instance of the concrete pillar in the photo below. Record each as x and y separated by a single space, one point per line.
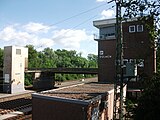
14 66
43 80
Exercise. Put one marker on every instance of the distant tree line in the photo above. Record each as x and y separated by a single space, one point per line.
49 58
1 58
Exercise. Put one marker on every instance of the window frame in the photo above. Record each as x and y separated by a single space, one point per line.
131 27
138 29
18 51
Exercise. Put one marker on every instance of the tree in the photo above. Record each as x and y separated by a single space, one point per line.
64 59
48 58
140 7
148 105
33 61
158 59
1 58
93 60
144 9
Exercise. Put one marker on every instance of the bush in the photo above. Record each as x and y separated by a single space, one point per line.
59 77
148 104
28 79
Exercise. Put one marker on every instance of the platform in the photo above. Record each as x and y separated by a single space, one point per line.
7 97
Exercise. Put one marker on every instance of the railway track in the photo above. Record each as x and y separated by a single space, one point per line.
19 109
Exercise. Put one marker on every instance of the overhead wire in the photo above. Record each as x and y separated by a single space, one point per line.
76 15
81 13
75 26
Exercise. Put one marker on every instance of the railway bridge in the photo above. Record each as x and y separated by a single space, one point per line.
16 66
44 78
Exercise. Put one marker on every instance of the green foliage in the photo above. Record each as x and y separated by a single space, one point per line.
28 79
48 58
148 11
1 58
145 10
129 105
134 8
33 60
158 59
93 60
148 105
60 77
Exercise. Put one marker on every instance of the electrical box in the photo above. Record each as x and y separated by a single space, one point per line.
131 69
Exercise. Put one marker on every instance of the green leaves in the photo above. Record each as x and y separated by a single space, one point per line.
137 8
158 59
1 58
148 106
48 58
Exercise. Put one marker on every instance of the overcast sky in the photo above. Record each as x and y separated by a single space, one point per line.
58 24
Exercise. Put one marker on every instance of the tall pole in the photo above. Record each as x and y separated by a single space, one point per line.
119 62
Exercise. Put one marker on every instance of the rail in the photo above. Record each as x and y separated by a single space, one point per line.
16 109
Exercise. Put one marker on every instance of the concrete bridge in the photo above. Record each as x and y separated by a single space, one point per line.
64 70
44 78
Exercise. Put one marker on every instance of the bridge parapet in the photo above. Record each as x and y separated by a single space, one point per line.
64 70
44 78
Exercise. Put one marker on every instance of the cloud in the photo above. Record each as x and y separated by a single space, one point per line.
70 38
25 34
10 33
44 43
36 27
13 35
7 33
107 14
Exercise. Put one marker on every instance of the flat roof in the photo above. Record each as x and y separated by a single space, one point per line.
80 92
110 22
104 22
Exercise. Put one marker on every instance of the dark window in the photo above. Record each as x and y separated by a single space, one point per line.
18 51
132 28
139 28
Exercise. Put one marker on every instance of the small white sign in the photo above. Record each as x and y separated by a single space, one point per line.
6 78
101 52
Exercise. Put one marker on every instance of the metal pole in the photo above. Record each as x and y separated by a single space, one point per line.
119 61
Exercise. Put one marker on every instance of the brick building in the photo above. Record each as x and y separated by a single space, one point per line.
78 102
139 51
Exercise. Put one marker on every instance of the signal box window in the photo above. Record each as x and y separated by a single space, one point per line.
132 28
139 28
